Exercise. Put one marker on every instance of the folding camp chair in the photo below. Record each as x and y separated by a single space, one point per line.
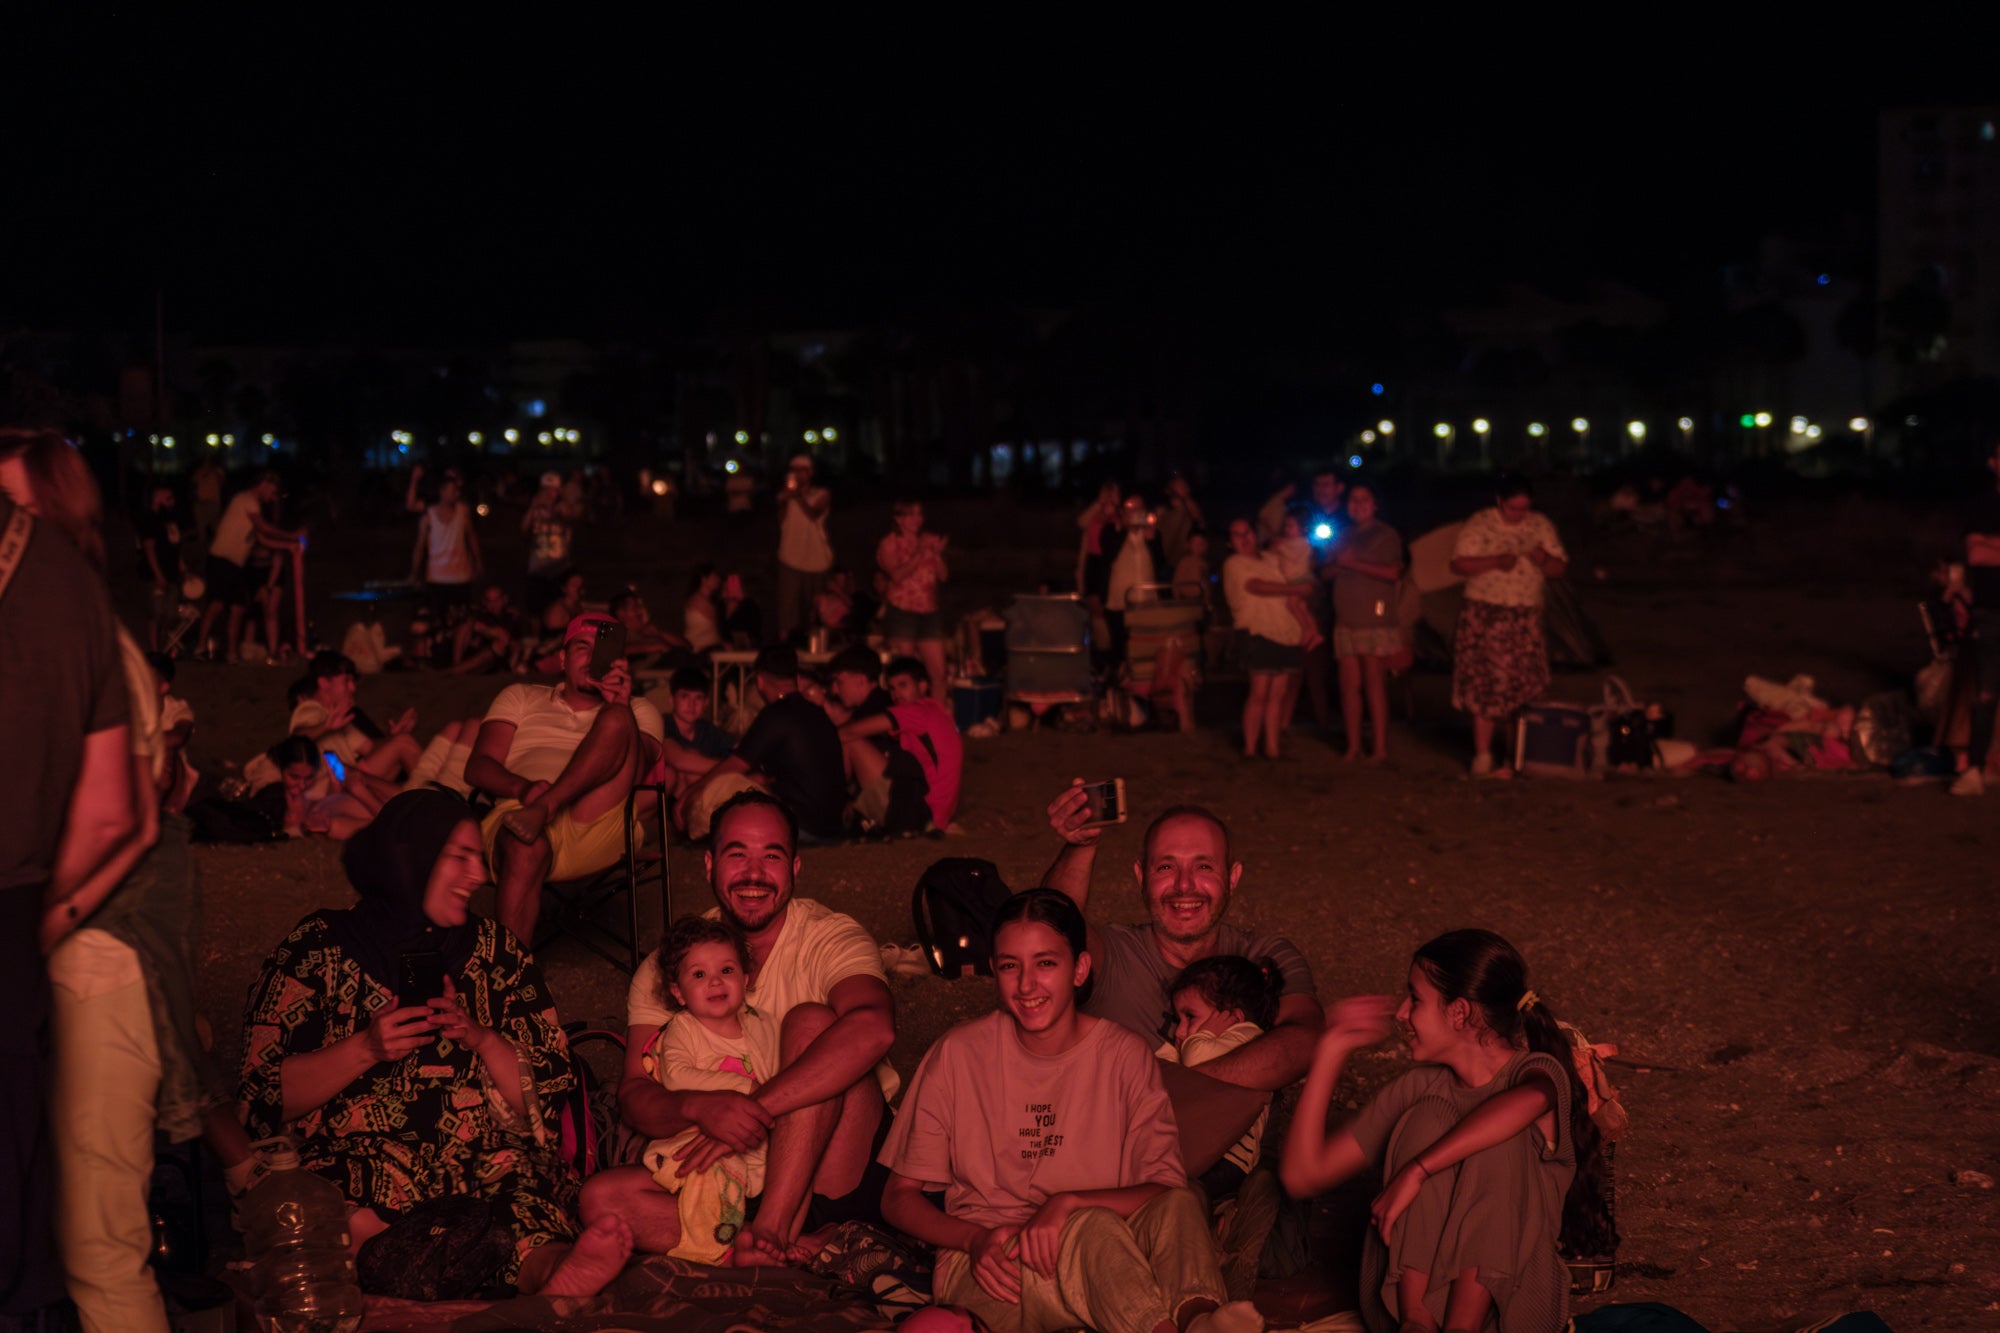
578 907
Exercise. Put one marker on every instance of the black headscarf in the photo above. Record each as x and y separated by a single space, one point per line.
389 864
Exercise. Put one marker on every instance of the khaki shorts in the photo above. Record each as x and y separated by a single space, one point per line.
576 849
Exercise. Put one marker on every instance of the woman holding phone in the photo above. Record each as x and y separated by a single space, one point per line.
411 1050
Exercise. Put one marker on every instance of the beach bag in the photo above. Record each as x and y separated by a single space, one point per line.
1624 731
586 1116
953 908
447 1249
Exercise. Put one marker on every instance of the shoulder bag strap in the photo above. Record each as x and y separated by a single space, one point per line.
13 545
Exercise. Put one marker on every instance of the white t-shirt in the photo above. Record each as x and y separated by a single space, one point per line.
1266 617
547 730
236 534
1487 533
802 542
817 949
447 555
1132 565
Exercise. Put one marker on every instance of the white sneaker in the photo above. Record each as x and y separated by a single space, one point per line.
1972 782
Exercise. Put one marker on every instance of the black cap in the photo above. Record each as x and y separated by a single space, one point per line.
778 662
688 678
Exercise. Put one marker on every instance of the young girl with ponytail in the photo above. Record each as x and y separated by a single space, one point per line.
1486 1150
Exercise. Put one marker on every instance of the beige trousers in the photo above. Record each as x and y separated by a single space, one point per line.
107 1070
1113 1274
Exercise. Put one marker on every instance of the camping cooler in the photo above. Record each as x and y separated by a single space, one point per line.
974 701
1048 647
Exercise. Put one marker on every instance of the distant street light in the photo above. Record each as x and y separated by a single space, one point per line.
1484 430
1637 430
1763 419
1537 430
1445 436
1687 431
1865 428
1386 427
1581 425
1368 437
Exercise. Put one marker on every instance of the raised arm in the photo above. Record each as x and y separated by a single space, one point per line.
1315 1159
1069 873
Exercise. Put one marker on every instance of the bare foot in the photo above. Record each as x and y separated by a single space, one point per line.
752 1249
598 1256
526 823
1235 1317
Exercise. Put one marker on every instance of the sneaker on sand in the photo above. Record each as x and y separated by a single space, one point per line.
1971 782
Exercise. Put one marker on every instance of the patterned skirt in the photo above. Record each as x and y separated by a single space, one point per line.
1500 659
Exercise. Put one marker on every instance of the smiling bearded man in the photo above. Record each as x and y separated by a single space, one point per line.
817 973
1186 878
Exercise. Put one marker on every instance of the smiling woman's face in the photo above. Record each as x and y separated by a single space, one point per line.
459 873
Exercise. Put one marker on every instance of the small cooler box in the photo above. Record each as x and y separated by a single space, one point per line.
975 701
1552 740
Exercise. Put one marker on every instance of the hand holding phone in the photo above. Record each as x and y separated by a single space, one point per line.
609 647
419 977
1104 802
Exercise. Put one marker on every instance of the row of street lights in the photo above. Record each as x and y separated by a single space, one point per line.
1446 433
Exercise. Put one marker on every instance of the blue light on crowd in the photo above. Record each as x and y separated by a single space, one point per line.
1323 532
1375 389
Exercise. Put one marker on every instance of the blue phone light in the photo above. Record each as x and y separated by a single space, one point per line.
333 762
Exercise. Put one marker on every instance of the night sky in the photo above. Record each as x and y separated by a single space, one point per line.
309 181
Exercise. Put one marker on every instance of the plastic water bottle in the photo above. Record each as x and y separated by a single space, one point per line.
295 1229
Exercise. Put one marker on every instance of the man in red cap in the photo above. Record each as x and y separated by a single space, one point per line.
559 761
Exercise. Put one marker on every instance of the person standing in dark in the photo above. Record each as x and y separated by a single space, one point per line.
159 531
68 793
1982 576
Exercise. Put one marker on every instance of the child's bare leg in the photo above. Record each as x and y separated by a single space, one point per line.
1411 1287
1375 675
1466 1307
1350 705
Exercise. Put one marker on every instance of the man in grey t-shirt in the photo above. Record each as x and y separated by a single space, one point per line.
1185 877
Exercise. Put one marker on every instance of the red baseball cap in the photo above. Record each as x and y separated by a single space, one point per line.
580 626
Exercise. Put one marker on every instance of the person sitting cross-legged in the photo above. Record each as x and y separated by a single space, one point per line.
1049 1133
822 1117
560 760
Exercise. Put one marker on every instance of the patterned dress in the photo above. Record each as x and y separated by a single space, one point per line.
433 1123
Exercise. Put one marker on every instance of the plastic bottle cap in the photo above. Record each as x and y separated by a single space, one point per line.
279 1154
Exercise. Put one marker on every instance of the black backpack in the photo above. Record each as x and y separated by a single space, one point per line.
953 908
